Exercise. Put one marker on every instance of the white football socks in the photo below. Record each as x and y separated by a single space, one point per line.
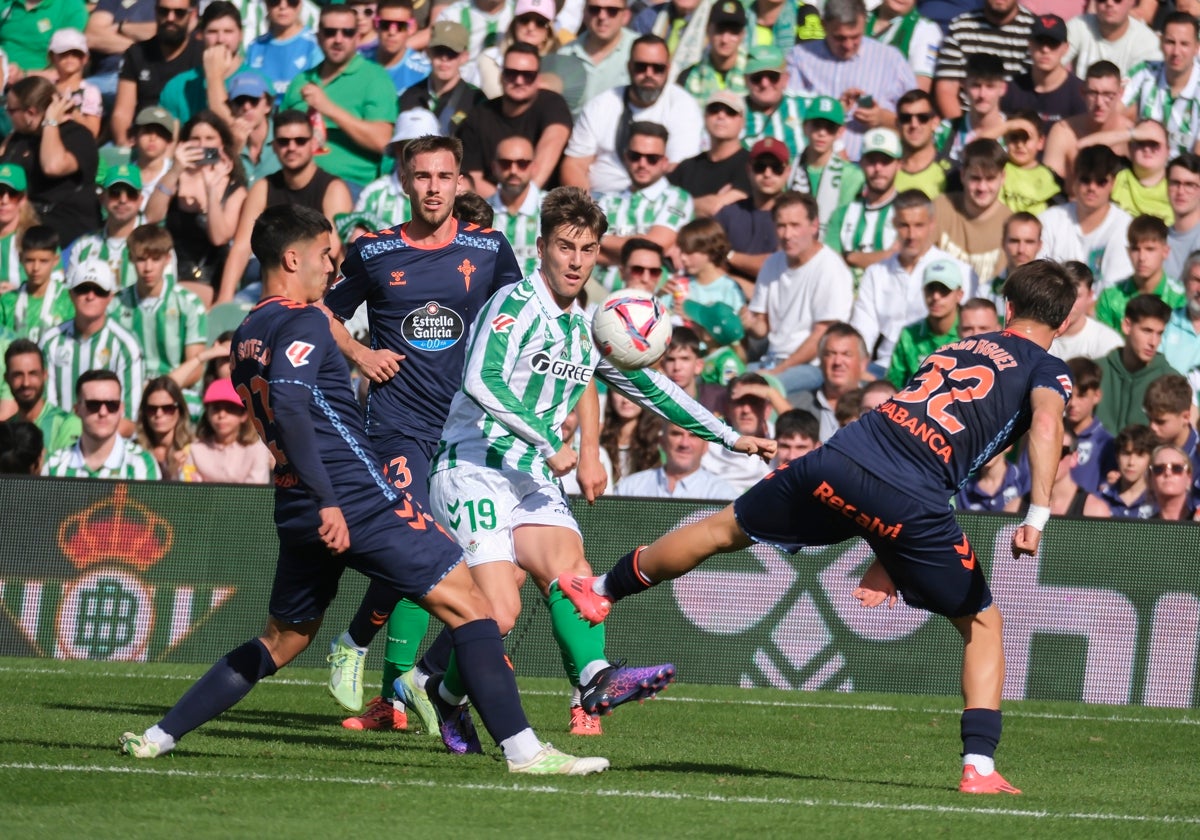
985 765
521 747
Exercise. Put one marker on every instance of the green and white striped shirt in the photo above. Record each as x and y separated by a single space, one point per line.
10 260
386 200
857 227
113 251
112 347
785 125
520 228
634 213
1148 90
528 364
127 461
31 317
164 326
483 30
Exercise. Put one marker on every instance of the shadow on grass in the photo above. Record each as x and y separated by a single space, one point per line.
739 771
283 719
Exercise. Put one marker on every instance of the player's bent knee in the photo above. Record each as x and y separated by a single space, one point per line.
287 641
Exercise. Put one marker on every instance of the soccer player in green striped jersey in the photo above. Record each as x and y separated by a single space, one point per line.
25 375
91 340
101 452
169 322
495 478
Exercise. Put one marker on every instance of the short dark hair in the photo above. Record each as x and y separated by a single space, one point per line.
1170 393
986 67
649 39
1183 19
792 198
40 238
638 243
432 143
473 208
21 347
988 154
1096 162
1146 227
336 9
685 338
574 208
97 375
149 240
1085 373
645 128
1041 290
981 303
911 200
1147 306
915 95
1103 70
218 9
1025 218
291 116
21 444
1187 160
394 4
1137 438
524 49
1032 117
280 227
1080 274
797 423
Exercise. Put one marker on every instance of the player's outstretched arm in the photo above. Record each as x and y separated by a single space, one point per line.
655 392
762 447
1045 450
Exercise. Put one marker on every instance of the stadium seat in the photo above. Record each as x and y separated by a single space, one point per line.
226 316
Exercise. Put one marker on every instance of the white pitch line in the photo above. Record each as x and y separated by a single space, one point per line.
669 698
637 793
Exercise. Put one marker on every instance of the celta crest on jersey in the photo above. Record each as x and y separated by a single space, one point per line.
432 327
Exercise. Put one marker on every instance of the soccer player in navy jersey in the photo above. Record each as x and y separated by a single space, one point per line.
423 283
334 509
968 401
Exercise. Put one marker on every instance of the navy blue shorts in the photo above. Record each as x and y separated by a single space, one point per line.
406 463
825 498
404 548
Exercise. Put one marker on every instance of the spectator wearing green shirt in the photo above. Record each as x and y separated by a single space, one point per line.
1128 371
25 376
943 288
1148 250
828 177
189 92
354 98
28 26
42 301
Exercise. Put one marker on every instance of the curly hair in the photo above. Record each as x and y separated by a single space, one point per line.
643 452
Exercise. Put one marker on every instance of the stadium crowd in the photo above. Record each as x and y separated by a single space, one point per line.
822 195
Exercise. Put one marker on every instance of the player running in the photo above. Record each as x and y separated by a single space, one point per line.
333 509
888 477
423 283
495 484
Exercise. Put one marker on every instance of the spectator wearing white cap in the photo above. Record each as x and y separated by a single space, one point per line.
299 182
942 286
385 198
91 340
68 56
719 176
395 22
250 104
862 231
28 27
286 48
532 23
524 109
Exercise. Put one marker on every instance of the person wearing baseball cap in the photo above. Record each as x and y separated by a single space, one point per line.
251 97
721 66
862 230
829 177
719 175
122 198
747 222
1048 87
68 57
445 92
942 285
770 110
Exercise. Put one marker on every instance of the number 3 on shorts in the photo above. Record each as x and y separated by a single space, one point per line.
471 514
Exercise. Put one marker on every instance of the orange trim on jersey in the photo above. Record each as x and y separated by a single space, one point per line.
436 245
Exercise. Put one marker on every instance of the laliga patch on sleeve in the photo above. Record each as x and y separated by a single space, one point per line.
503 323
297 353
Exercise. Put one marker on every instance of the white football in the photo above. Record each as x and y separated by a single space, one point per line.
632 329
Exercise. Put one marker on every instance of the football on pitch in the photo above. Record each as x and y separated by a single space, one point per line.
632 329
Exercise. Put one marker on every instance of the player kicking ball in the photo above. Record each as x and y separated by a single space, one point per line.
887 478
334 510
494 481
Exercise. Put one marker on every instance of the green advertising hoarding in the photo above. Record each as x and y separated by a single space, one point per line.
1108 613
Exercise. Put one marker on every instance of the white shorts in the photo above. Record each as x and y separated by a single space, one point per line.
481 508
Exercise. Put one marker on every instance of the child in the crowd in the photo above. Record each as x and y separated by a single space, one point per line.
1128 497
832 180
997 487
1148 251
702 246
720 332
1094 454
797 432
848 407
68 58
1168 406
1029 185
42 301
154 133
683 364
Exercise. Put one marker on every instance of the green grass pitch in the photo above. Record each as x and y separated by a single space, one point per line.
700 761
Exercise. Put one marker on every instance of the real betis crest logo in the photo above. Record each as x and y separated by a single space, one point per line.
110 611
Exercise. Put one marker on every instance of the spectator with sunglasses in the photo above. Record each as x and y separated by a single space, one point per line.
286 48
540 116
1142 188
91 340
353 97
1111 33
1048 87
921 164
16 216
718 176
748 223
394 23
593 157
517 201
204 86
722 66
251 105
445 93
650 208
532 23
164 429
101 451
122 200
1171 484
146 67
603 48
770 110
1169 90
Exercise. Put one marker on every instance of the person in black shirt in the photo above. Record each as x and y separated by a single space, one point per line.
59 157
444 92
1047 87
719 176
